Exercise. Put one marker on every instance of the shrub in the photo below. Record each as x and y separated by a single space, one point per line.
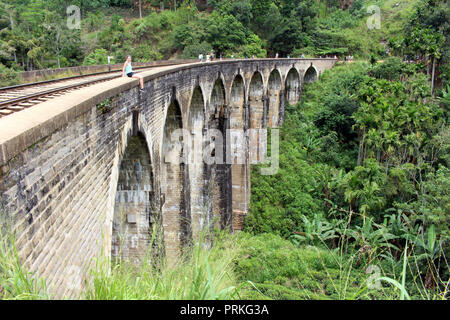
192 51
99 56
8 77
391 69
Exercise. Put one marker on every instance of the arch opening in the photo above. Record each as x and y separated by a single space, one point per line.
196 165
237 100
174 192
255 98
293 87
218 189
273 95
134 209
256 118
238 151
310 75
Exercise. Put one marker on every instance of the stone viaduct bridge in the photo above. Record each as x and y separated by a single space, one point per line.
85 174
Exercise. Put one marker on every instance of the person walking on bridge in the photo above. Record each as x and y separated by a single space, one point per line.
128 70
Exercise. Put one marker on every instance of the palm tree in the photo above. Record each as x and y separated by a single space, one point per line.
434 51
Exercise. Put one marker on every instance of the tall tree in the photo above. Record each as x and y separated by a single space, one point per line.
9 10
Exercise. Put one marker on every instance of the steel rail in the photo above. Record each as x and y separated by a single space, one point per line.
20 103
33 84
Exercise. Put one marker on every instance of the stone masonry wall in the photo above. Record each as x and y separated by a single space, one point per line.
57 193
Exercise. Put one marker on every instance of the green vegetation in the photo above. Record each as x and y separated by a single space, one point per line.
360 206
105 105
35 35
8 76
240 266
201 274
15 281
364 170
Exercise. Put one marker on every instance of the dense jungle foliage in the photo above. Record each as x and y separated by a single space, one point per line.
360 206
364 172
35 34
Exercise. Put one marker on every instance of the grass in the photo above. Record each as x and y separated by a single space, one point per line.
16 283
201 273
280 270
237 266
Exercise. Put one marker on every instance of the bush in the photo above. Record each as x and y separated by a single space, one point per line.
99 56
192 51
279 270
8 77
145 53
391 69
252 47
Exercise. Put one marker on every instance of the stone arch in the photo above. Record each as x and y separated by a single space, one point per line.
237 103
311 74
134 207
256 117
218 187
217 100
293 86
174 191
196 166
196 117
238 153
255 99
273 96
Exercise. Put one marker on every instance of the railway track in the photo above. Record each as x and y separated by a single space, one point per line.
17 98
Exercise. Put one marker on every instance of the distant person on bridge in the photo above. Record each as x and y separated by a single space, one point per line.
128 70
200 57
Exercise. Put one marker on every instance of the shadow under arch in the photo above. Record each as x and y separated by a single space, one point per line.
255 100
218 183
310 75
256 139
237 103
134 204
217 101
196 166
273 96
238 151
293 86
175 212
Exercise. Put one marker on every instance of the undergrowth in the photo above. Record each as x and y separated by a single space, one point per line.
16 283
237 266
201 273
